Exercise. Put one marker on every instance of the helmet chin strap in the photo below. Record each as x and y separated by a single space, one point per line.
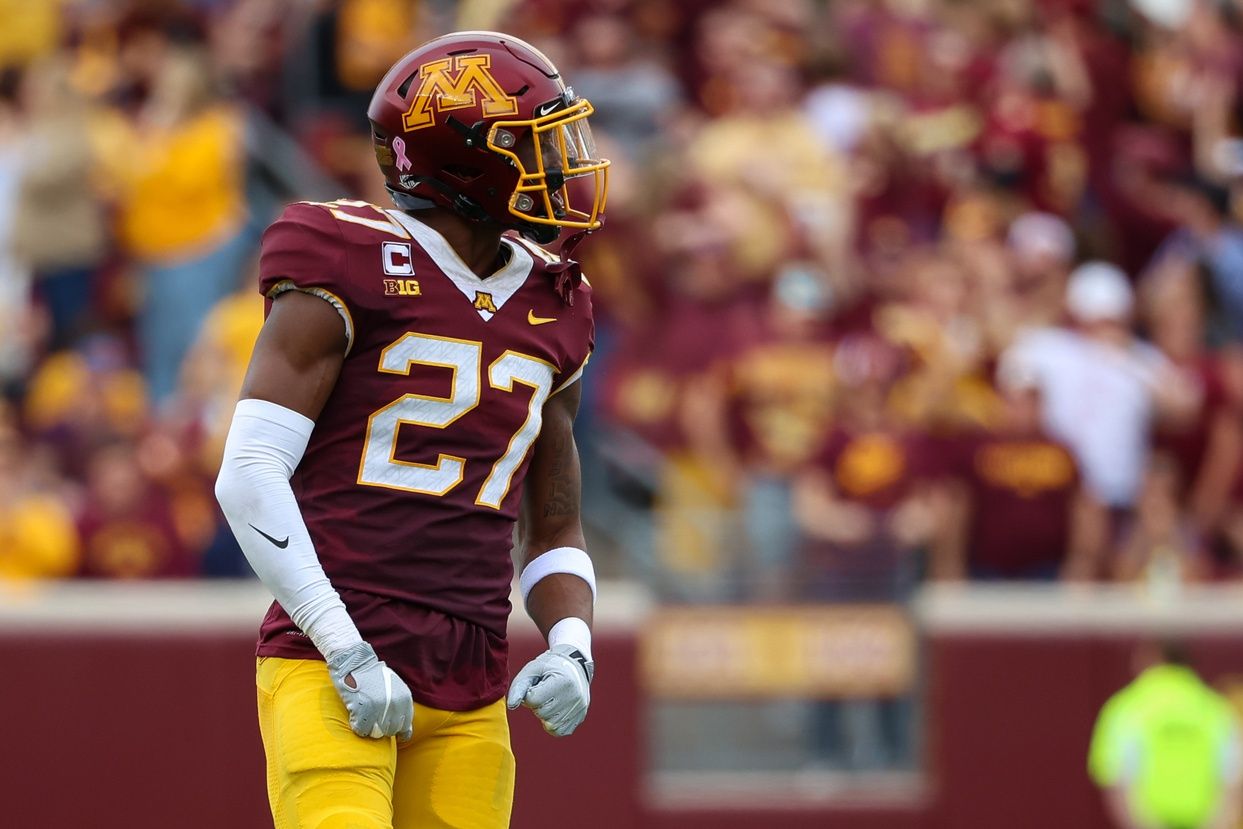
539 234
408 202
458 203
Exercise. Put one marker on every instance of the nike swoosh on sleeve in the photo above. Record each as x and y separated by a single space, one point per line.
282 544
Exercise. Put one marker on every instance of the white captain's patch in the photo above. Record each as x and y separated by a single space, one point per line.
397 258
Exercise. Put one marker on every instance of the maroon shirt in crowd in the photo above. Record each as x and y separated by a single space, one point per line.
1189 444
1022 491
779 398
411 483
876 470
139 541
652 365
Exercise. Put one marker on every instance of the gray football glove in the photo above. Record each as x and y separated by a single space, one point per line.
379 703
556 686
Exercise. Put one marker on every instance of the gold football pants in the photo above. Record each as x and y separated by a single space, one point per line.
457 772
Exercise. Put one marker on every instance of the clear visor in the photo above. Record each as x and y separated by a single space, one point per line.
568 149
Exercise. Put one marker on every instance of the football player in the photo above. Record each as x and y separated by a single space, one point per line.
410 398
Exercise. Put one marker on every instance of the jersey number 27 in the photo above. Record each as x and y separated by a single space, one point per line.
380 466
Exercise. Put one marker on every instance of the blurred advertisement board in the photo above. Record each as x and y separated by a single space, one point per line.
741 652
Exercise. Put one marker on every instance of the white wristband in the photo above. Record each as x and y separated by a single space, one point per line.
571 631
569 560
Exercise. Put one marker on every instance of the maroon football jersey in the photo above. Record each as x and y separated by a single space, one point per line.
411 483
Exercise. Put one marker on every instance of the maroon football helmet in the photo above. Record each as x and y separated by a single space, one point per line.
482 123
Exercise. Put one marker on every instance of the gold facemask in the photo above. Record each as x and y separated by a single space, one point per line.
569 183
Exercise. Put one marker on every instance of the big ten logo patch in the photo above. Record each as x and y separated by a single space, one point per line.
402 287
454 83
483 302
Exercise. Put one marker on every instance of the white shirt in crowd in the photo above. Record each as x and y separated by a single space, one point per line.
1097 397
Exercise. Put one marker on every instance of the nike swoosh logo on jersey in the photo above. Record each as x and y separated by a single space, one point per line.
282 544
534 320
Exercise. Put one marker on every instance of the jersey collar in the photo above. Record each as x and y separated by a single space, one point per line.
499 287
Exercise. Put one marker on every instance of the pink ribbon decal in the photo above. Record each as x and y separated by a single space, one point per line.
399 147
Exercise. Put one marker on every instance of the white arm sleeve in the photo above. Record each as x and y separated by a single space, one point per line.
265 445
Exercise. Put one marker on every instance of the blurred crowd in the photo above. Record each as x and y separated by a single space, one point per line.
890 290
898 291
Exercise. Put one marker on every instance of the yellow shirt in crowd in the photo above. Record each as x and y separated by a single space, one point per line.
37 539
30 30
179 189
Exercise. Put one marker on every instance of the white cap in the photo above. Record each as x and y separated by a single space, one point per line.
1035 234
1099 291
1172 14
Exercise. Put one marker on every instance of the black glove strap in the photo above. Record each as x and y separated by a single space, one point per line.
589 667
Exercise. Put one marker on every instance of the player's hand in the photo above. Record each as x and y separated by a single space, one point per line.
378 702
556 686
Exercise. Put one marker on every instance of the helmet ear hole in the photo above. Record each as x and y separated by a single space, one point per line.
404 89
